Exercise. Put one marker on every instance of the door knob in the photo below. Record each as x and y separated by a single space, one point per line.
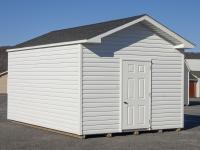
125 102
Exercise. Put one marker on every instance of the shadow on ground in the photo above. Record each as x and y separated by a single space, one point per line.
192 115
194 103
191 121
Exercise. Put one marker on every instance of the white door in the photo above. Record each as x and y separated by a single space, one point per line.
136 94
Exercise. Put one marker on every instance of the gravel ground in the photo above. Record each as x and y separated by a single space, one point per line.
18 137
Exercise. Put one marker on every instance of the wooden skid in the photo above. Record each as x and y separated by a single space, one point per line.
136 132
109 135
178 129
163 130
160 131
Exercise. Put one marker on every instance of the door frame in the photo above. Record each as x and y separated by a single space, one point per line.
121 91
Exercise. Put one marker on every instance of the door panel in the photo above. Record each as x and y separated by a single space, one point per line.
141 88
131 85
141 114
136 84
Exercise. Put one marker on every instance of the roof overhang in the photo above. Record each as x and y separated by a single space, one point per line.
178 41
48 45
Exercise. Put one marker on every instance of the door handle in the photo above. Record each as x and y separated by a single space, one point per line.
125 102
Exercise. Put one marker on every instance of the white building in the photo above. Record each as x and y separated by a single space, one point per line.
192 76
109 77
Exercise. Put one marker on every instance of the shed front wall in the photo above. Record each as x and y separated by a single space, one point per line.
44 87
101 80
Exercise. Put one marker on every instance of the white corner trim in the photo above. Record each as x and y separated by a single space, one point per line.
81 89
48 45
183 92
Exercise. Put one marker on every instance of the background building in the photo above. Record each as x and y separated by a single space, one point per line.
192 76
3 69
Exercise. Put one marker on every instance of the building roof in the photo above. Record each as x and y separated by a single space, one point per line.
192 55
95 32
77 33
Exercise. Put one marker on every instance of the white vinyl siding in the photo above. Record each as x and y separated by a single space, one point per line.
44 87
194 64
101 79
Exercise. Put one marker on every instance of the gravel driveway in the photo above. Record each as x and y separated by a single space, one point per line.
18 137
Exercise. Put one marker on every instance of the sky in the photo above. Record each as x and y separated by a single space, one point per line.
21 20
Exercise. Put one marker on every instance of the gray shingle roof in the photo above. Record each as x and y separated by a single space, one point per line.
77 33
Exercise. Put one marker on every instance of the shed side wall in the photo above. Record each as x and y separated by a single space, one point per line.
44 87
101 79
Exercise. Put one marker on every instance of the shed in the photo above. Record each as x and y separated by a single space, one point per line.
192 76
109 77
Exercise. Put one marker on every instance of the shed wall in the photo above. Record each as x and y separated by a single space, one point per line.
101 79
44 87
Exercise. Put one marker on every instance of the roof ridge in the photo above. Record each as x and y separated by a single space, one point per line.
108 21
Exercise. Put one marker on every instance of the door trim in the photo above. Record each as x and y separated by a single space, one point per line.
121 92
